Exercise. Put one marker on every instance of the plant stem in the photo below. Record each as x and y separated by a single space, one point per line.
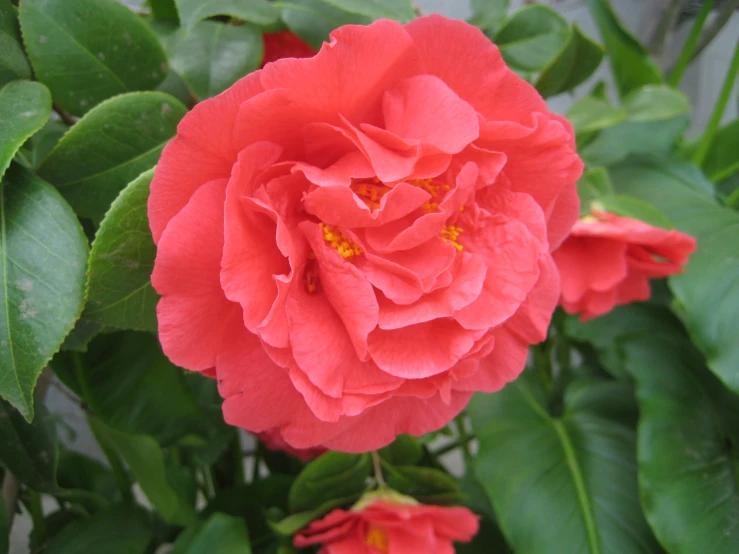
209 484
37 516
665 25
686 56
543 364
719 22
66 116
453 446
238 459
377 464
11 488
255 469
464 437
718 111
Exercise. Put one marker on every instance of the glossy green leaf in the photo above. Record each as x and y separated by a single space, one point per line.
220 534
44 141
655 103
110 147
86 51
628 206
119 288
145 459
630 61
568 481
531 37
399 10
332 475
687 446
13 61
405 450
77 472
24 108
313 20
722 160
116 530
43 256
578 60
132 387
260 12
488 14
706 290
591 114
213 56
425 484
29 450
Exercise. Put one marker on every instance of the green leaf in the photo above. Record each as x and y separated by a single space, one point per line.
332 475
220 534
722 161
313 20
213 56
117 530
132 387
564 484
628 206
77 472
425 484
88 50
110 147
260 12
29 450
145 459
291 524
24 108
655 103
593 184
405 450
81 335
706 290
531 37
121 261
13 61
632 67
487 14
591 114
45 140
489 540
164 9
687 447
399 10
43 256
576 61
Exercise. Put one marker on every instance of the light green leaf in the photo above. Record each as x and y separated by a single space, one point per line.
213 56
260 12
43 257
220 534
722 160
564 484
487 14
531 37
591 114
110 147
293 523
313 20
628 206
13 61
29 450
655 103
119 287
399 10
116 530
24 108
593 184
578 60
630 61
86 51
145 459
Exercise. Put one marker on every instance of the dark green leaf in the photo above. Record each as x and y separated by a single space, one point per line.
722 160
655 103
13 62
593 114
45 140
425 484
313 20
489 540
531 37
110 147
399 10
77 471
175 85
487 14
578 60
24 108
220 534
145 459
260 12
4 529
404 451
81 335
687 447
119 289
117 530
628 206
43 255
564 484
29 450
630 61
213 56
706 290
164 9
88 50
332 475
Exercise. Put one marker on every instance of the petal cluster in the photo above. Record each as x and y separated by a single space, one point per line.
358 241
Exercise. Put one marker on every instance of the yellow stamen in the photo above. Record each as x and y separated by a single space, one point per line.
450 234
377 538
339 242
370 191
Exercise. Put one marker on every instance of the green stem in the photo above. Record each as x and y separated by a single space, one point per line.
37 516
255 469
453 446
464 436
238 459
543 364
687 53
208 483
718 111
377 465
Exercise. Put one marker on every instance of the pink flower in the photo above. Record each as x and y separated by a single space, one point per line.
608 261
390 527
284 44
273 440
360 240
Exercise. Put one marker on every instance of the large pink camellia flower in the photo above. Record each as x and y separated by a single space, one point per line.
358 241
608 260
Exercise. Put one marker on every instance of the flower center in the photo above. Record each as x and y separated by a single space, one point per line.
377 538
433 189
371 191
450 234
339 242
310 274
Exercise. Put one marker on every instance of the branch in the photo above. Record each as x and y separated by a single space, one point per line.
11 489
66 116
716 26
665 25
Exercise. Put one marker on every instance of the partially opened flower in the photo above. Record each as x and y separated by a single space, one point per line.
397 528
360 240
608 260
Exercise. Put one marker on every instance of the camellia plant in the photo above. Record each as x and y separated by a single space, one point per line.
354 235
